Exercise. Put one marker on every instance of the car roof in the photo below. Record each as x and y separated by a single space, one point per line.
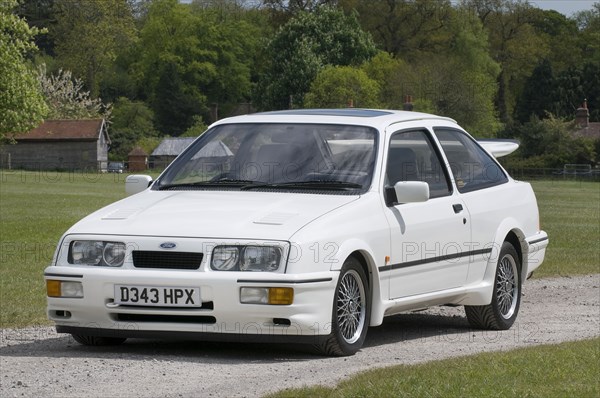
368 117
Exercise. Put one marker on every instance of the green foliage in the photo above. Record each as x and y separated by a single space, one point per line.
573 86
589 35
89 34
481 62
339 86
187 55
196 129
302 47
22 106
39 14
67 99
549 143
132 121
545 93
459 83
405 28
538 95
562 37
514 44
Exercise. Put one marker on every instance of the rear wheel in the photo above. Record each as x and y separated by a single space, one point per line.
501 313
351 312
97 340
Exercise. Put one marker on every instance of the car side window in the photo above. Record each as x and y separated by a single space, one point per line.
473 168
412 157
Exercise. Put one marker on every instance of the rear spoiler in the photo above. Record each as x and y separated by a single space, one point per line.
499 147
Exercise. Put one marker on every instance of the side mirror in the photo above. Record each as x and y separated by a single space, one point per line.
411 191
137 183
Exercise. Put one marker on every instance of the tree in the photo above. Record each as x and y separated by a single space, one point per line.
67 99
189 57
549 143
302 47
22 105
131 121
280 11
589 28
174 102
539 94
340 86
514 44
39 14
562 37
404 27
459 82
89 34
573 86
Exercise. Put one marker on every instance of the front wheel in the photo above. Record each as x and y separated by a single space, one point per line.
501 313
351 312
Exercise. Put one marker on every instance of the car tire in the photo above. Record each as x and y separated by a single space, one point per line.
97 340
501 313
351 312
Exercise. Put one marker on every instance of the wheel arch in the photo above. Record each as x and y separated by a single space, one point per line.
514 239
508 231
374 284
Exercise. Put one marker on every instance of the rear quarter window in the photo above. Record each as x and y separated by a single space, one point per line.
472 167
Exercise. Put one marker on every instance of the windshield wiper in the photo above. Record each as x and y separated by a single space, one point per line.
222 182
316 184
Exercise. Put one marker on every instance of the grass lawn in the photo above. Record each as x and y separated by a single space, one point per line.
570 213
36 208
563 370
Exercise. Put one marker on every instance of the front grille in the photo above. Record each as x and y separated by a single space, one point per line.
168 260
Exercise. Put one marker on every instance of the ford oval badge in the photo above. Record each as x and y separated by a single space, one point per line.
168 245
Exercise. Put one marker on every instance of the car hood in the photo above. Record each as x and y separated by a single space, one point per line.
211 214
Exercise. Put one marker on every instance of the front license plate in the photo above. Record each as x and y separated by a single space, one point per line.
158 296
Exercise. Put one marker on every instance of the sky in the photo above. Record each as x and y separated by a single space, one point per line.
566 7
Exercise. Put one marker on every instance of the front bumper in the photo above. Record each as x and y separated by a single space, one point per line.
221 316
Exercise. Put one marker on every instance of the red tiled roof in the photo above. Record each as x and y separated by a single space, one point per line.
64 130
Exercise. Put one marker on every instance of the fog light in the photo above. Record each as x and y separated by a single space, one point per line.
281 295
64 289
267 295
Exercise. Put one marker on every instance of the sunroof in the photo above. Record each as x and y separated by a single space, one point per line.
331 112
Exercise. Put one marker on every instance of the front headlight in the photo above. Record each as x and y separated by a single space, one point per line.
246 258
100 253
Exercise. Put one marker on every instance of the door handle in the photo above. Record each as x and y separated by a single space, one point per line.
457 208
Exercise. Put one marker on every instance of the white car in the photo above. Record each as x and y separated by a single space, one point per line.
306 226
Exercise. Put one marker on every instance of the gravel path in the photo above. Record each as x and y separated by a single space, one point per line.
38 362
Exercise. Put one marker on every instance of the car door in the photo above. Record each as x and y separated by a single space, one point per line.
481 185
428 239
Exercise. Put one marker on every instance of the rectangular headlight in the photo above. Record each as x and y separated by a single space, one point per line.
65 289
99 253
246 258
267 295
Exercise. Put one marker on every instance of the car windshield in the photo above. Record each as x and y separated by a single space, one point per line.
281 156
